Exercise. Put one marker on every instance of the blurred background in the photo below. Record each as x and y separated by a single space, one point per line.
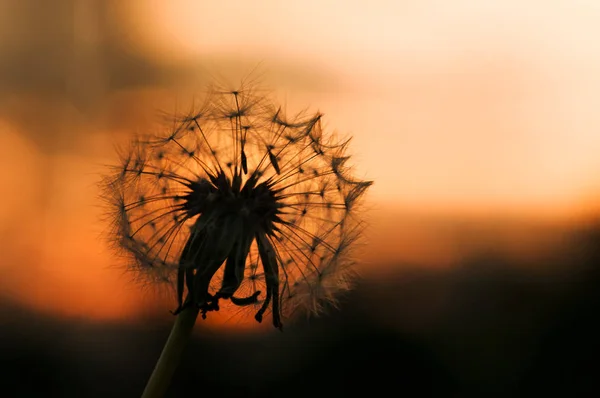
477 120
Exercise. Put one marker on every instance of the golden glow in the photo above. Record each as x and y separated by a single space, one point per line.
466 109
456 104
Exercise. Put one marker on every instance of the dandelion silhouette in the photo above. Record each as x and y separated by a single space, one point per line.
236 202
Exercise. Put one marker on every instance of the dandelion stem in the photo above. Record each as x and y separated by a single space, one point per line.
169 358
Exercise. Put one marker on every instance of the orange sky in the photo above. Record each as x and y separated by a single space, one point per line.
478 108
463 102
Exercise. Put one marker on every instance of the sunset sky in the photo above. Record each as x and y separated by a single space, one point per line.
467 109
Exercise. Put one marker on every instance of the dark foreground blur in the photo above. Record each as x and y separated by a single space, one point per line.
487 327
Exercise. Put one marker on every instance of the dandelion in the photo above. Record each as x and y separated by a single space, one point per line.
236 203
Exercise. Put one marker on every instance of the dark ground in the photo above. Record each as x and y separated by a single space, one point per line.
487 328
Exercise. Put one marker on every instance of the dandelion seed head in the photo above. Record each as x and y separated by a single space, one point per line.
239 202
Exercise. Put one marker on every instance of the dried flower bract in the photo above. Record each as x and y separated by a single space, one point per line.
237 202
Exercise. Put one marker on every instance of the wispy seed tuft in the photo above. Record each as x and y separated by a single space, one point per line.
238 202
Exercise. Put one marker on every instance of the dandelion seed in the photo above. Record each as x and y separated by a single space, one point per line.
237 202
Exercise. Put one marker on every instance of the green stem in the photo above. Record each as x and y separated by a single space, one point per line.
169 358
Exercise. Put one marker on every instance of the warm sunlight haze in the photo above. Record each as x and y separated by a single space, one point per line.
474 118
